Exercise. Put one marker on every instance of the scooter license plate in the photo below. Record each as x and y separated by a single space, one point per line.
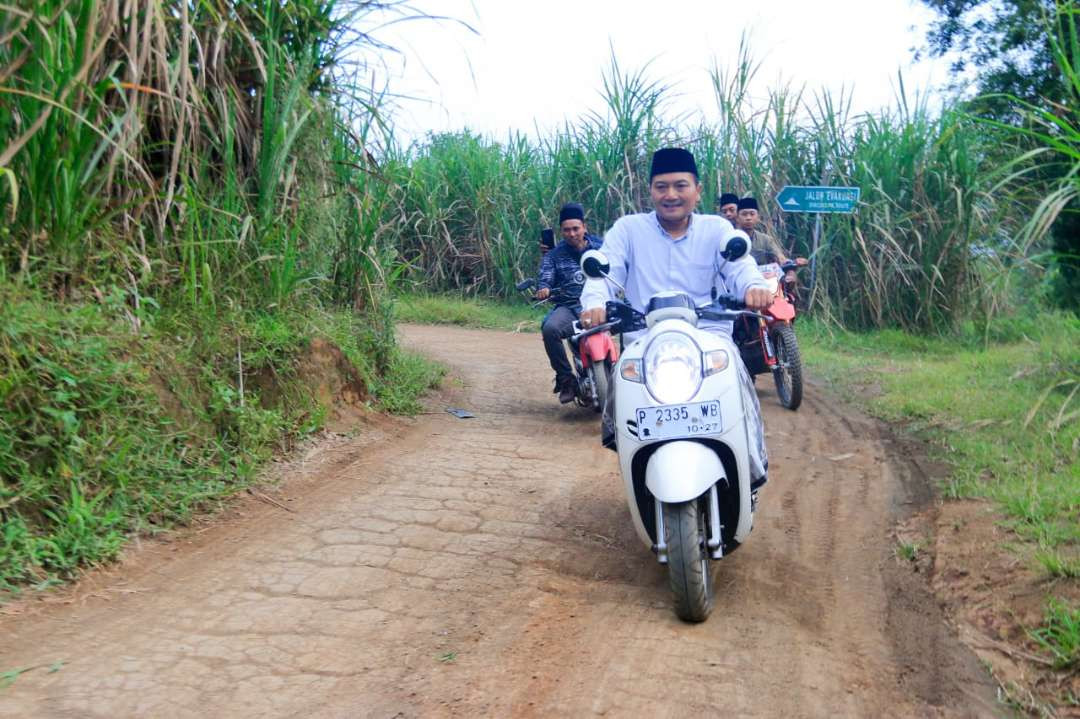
679 420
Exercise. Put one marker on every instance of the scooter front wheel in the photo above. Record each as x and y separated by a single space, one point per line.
688 560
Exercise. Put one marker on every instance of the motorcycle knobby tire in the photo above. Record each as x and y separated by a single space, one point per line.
788 371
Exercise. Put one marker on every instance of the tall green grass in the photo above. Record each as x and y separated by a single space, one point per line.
197 152
926 250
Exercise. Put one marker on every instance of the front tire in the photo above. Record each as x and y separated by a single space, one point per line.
688 560
601 380
788 372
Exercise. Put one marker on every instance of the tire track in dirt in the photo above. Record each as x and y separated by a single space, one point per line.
488 567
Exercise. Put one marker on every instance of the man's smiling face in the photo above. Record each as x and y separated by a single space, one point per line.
674 195
573 231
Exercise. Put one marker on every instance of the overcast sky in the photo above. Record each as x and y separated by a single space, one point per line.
534 64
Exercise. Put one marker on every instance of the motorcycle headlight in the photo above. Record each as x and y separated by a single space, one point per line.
672 368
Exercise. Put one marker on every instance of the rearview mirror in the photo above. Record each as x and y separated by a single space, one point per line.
594 263
734 245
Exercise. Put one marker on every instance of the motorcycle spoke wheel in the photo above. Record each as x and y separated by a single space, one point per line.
788 372
688 560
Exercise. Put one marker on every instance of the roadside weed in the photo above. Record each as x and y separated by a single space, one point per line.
1059 566
8 678
908 551
1059 635
409 377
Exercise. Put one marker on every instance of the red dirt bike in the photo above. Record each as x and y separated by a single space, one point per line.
591 358
769 344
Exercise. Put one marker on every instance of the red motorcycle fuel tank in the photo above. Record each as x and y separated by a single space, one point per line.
598 347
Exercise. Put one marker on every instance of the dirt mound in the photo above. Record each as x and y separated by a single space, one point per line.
994 595
334 383
320 375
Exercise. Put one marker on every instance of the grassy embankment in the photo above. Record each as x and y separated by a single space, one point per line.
1002 418
111 433
189 202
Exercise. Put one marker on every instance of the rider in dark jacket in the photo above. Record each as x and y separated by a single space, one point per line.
560 278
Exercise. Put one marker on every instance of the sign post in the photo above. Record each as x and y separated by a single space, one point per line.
819 200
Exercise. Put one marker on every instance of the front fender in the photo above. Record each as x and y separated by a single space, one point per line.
682 470
781 309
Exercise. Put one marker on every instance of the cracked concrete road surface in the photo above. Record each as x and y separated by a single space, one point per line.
487 567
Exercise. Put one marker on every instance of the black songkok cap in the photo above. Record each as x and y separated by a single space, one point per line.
748 203
728 198
571 211
672 159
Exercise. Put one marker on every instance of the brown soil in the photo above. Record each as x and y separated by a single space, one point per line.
326 376
448 567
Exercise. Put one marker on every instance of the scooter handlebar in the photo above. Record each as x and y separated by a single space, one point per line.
726 307
624 318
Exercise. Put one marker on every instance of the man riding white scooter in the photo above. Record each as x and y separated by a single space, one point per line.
672 248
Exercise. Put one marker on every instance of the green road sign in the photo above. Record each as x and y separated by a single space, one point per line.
799 198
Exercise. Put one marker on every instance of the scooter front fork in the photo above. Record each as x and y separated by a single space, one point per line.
714 542
766 344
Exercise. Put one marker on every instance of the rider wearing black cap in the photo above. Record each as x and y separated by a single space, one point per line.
560 271
761 244
729 207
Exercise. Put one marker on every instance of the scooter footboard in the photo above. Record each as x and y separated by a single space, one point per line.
681 471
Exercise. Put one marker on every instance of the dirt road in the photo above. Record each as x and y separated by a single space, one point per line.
487 567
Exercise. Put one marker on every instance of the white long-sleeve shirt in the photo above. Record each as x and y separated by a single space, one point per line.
646 260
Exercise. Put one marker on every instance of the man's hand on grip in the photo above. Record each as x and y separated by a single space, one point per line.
592 318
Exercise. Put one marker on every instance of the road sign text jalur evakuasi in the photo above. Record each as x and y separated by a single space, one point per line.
818 199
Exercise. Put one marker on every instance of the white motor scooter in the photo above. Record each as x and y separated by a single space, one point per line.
681 438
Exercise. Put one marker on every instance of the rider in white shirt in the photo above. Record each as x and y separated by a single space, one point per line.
672 248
